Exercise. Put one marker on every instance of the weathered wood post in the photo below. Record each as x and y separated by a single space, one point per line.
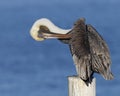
77 87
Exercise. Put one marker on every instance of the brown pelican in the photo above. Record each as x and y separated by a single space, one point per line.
89 50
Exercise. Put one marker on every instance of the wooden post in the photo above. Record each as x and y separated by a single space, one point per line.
77 87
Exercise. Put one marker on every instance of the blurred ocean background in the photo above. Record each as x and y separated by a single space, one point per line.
30 68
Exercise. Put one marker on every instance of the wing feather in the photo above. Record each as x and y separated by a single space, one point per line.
100 53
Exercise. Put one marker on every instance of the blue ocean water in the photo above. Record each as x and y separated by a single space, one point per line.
30 68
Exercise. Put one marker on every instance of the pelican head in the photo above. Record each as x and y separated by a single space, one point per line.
44 28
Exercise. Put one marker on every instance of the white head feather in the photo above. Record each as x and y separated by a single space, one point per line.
45 22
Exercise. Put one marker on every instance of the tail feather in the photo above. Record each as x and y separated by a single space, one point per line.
83 68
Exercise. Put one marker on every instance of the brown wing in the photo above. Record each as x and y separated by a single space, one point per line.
100 53
79 47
